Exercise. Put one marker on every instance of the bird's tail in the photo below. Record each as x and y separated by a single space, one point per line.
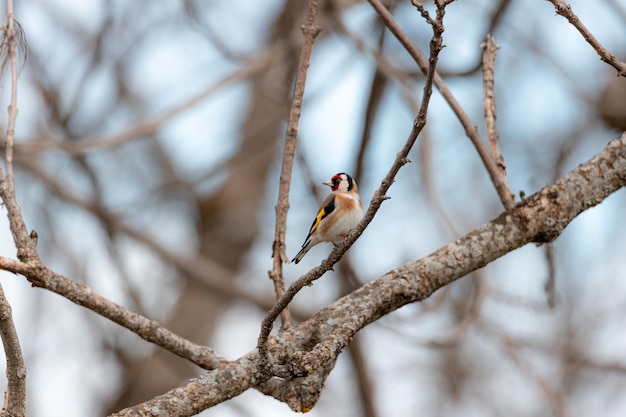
305 248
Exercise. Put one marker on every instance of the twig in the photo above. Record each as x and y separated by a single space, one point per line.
468 126
15 400
565 10
25 247
377 199
10 34
385 73
384 69
310 31
489 60
40 276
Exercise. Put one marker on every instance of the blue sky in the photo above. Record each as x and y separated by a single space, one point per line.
538 97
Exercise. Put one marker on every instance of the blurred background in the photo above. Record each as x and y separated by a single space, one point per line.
148 150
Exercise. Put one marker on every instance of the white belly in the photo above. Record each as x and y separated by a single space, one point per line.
345 223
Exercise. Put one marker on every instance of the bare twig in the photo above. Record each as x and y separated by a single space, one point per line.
25 247
489 60
40 276
310 31
565 10
15 400
377 199
10 34
468 126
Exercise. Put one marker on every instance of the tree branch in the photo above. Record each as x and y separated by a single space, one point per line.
308 349
25 246
470 129
40 276
10 34
565 10
489 60
377 199
540 219
15 401
310 31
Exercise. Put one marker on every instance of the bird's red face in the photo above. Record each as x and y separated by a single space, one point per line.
335 180
341 182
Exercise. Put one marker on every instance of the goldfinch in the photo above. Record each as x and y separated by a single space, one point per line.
340 211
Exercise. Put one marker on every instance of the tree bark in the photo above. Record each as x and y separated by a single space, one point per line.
305 354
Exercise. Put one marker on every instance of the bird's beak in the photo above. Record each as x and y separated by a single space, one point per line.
329 183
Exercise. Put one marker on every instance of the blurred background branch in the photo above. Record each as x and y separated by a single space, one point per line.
146 156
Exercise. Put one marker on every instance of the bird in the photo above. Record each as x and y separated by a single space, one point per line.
341 211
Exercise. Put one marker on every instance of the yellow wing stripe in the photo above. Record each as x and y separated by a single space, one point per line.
324 211
320 215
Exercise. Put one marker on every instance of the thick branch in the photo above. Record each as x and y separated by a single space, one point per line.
378 197
540 218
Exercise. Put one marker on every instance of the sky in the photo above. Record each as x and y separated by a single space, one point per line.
536 102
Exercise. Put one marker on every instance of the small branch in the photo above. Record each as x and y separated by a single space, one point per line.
565 10
489 60
468 126
375 203
21 237
11 34
15 400
40 276
310 32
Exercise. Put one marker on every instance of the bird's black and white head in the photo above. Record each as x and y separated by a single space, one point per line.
341 183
